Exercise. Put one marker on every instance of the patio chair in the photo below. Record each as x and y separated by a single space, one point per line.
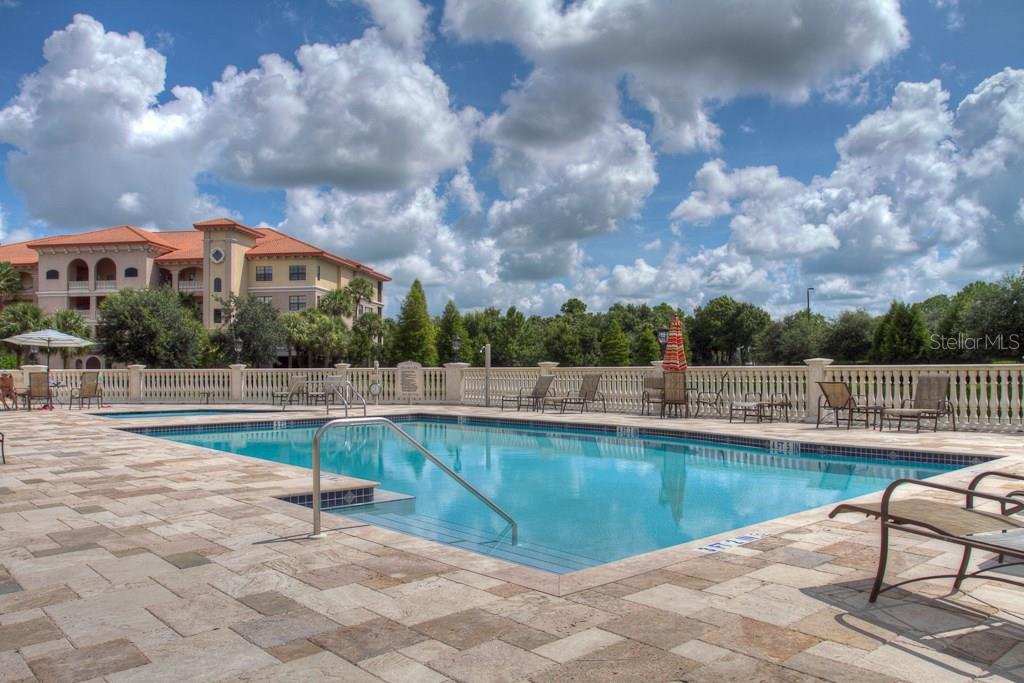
1001 533
751 406
778 404
677 396
88 390
837 397
654 392
535 399
296 392
586 395
713 399
38 389
330 389
7 392
929 403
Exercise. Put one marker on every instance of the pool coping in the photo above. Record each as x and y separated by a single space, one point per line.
591 577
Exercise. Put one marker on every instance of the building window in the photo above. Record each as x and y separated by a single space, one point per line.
218 315
216 284
264 273
265 300
52 275
131 272
217 255
296 272
296 302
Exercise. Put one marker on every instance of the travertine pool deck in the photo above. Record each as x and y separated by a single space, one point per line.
124 557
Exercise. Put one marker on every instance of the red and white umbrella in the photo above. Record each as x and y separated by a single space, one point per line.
675 349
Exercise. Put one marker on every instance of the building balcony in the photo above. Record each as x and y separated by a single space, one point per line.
106 285
78 285
190 285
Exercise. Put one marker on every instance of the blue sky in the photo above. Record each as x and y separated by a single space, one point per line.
522 152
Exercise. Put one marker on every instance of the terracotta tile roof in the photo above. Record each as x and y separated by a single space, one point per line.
18 254
187 244
122 234
276 243
182 245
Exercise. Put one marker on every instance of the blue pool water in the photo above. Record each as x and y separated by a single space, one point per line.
130 415
579 499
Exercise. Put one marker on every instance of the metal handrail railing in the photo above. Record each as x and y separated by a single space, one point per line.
356 421
355 392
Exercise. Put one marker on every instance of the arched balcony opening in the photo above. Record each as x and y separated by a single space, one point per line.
190 279
78 274
106 274
164 278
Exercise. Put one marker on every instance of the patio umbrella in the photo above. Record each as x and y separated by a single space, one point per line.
675 349
51 339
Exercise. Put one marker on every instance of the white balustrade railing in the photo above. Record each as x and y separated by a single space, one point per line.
987 397
984 397
186 386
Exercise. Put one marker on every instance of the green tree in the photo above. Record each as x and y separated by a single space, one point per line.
562 343
791 340
901 335
365 343
10 282
573 307
646 347
149 326
614 346
724 330
449 327
345 302
69 322
292 326
255 323
414 335
18 318
323 338
849 338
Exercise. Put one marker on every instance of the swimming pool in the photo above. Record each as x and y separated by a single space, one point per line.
135 414
580 499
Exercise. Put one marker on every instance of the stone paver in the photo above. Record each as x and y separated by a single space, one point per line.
129 563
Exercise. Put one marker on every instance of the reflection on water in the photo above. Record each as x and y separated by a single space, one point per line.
599 498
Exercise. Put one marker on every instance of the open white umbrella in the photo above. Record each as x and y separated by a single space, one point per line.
51 339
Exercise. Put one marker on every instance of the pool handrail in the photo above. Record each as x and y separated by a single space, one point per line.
356 421
355 393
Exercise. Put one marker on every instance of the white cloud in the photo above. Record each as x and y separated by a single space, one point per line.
922 199
87 130
680 56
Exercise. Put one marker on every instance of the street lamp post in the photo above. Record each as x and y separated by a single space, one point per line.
809 290
663 338
456 346
487 375
238 348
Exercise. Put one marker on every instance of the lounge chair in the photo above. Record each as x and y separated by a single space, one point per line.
654 392
713 399
38 389
88 390
929 403
677 396
586 395
837 397
533 400
296 392
999 533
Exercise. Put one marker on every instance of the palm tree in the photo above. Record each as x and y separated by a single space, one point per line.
70 322
17 318
10 282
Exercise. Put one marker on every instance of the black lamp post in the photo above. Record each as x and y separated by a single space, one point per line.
663 338
238 348
456 345
809 290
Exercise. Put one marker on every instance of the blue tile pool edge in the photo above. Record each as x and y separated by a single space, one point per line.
773 446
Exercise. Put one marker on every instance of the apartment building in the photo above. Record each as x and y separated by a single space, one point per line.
218 257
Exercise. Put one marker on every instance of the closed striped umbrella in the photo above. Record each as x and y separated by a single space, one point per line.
675 349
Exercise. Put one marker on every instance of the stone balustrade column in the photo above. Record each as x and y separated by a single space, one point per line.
237 382
815 373
342 369
135 383
453 373
547 367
